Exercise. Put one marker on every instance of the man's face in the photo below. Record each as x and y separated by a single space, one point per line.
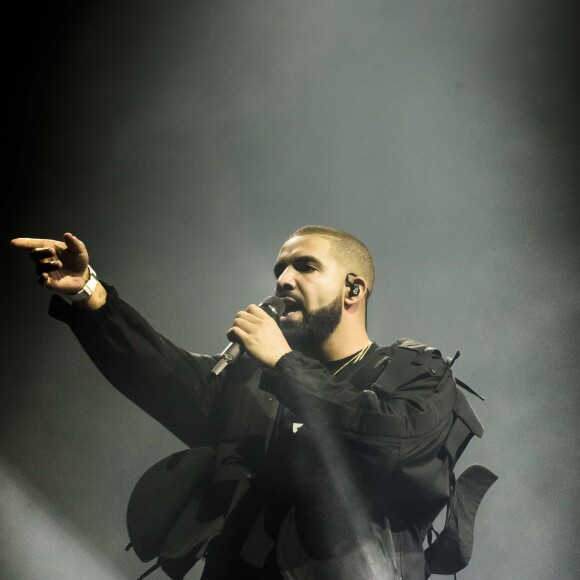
310 280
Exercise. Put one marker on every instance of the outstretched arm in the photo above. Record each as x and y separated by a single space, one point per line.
167 382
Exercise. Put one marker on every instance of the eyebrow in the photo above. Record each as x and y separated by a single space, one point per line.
280 266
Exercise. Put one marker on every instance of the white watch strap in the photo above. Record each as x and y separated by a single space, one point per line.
88 288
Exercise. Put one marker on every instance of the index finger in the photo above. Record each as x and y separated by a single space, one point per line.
33 243
257 311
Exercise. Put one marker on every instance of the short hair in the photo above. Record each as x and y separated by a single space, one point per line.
350 249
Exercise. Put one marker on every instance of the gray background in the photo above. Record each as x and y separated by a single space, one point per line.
183 141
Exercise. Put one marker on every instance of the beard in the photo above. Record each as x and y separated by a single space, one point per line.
315 327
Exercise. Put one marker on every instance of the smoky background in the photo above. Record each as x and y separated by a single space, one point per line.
184 140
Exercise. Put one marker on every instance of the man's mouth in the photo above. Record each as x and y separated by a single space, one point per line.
292 307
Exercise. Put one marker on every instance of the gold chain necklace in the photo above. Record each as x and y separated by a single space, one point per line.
355 358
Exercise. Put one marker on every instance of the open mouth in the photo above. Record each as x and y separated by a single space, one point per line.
291 308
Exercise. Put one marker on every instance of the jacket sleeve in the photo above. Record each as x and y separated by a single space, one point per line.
415 396
172 385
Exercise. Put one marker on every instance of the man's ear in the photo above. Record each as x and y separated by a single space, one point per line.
357 289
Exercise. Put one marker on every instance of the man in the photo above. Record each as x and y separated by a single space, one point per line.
318 455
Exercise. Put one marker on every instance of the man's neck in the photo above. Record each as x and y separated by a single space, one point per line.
339 345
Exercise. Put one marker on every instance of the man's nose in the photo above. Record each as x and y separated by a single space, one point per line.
286 280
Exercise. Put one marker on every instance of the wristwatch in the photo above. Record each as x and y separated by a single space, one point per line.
87 289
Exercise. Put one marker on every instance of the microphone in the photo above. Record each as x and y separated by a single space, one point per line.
272 306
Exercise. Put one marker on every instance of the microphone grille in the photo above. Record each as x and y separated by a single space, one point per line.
274 306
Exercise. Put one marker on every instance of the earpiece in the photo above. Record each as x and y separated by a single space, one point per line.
354 288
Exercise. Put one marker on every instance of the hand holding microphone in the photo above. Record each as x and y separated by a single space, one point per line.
256 331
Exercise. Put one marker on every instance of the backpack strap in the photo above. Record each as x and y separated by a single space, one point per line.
451 551
149 571
404 365
465 426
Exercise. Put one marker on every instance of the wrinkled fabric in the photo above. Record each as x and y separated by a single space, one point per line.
354 489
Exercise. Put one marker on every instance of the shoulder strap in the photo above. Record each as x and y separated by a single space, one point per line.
465 426
451 551
408 359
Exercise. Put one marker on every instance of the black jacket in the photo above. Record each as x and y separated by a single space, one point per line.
350 494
